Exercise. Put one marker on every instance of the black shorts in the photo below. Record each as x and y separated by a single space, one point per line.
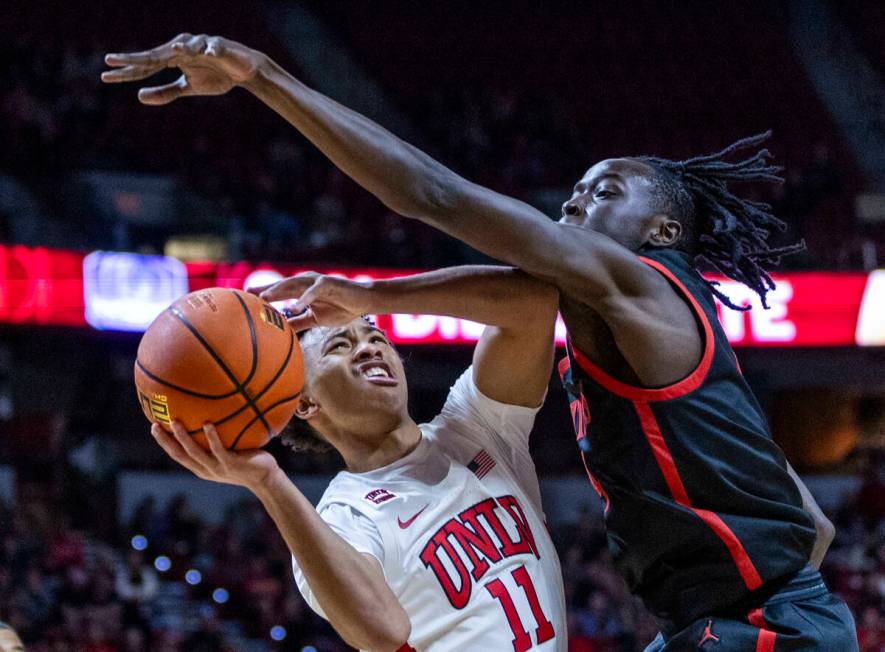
803 616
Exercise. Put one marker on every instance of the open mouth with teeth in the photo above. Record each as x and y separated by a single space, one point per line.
378 373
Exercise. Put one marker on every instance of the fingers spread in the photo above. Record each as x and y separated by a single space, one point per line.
174 450
197 44
309 296
138 58
158 55
193 450
259 290
158 95
290 288
305 321
186 49
215 46
128 73
215 445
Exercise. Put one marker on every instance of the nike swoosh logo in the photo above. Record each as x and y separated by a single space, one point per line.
404 524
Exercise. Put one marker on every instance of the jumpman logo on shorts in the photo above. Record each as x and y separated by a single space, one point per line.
708 634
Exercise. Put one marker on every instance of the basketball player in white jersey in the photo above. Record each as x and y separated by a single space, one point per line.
433 538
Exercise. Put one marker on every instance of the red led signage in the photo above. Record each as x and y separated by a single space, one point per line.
125 292
41 286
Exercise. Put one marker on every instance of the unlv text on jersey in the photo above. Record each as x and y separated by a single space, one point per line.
473 530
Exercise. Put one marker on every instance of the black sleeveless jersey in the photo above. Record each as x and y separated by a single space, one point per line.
700 511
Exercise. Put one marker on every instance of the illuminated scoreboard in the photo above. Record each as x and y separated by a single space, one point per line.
124 292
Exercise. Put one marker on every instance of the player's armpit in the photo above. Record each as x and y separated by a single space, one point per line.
657 335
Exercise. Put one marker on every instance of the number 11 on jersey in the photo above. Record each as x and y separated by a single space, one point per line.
522 641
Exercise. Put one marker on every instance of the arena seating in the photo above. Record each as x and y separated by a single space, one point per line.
62 583
520 99
865 18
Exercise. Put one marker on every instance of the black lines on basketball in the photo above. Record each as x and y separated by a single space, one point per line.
229 355
156 378
269 408
262 392
184 320
252 337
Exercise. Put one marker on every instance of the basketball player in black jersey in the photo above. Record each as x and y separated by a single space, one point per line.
706 521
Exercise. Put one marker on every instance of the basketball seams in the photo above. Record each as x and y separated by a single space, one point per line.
268 386
157 379
211 337
239 388
254 338
269 408
264 390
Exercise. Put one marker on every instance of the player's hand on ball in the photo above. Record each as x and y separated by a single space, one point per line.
210 65
320 300
248 469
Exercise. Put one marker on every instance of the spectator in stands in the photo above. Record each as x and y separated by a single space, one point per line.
871 630
871 499
208 638
136 586
9 640
603 616
146 520
598 619
35 597
54 120
73 597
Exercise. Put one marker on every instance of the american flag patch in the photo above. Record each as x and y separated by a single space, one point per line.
481 464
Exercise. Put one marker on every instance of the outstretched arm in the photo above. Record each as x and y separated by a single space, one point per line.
349 585
651 325
512 360
586 265
413 184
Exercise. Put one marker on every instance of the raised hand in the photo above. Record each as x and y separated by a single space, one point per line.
320 300
210 65
250 469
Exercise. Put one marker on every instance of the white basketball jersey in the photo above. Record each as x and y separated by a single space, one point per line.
458 528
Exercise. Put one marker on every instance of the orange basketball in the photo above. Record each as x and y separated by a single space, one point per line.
223 356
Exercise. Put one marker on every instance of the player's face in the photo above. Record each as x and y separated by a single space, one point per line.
356 377
615 198
10 642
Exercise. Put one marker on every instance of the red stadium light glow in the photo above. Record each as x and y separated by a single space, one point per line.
41 286
46 286
806 309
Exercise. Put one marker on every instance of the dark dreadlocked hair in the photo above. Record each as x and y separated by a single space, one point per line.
719 228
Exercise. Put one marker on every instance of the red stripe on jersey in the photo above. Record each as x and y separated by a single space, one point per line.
597 485
677 389
564 365
661 452
405 647
665 461
767 638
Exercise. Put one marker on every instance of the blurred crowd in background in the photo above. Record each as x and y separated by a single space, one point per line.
521 100
166 580
269 195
